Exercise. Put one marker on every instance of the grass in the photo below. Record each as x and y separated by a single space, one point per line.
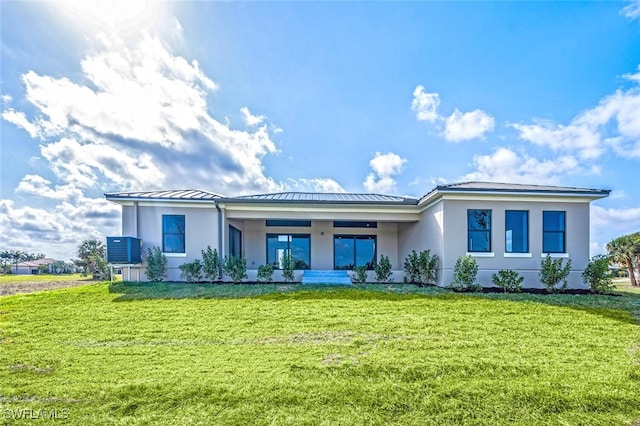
624 285
388 354
13 279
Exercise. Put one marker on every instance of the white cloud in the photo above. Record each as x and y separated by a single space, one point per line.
625 220
142 124
505 165
384 167
632 10
458 126
425 105
138 119
469 125
250 119
19 119
6 98
326 185
614 122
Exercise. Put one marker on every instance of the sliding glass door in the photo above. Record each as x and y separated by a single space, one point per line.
350 251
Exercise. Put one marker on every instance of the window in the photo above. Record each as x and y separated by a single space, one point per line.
350 251
235 242
173 234
281 222
516 231
479 230
553 232
354 224
297 245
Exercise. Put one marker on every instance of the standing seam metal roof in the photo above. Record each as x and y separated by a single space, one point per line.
311 197
185 194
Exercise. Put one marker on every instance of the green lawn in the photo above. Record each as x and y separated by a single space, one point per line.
397 354
13 279
624 285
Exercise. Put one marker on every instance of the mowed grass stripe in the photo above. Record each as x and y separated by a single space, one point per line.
319 356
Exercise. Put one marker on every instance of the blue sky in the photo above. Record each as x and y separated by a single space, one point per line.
307 96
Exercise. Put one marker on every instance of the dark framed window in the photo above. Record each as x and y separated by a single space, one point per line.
235 242
173 233
297 245
553 231
286 222
354 224
516 225
478 230
350 251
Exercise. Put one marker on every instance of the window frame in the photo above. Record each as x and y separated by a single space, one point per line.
233 234
526 232
166 217
275 263
355 237
563 232
487 231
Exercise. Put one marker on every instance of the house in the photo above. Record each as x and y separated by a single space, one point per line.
502 226
33 267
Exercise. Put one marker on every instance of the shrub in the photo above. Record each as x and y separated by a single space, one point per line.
235 268
421 267
508 280
553 274
265 273
383 269
288 265
359 274
464 274
211 264
156 265
191 271
597 275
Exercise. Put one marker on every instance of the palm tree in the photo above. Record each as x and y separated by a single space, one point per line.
625 251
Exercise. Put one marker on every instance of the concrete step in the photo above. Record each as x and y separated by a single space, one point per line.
326 277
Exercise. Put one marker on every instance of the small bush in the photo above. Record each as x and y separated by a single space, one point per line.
288 267
553 274
265 273
508 280
464 275
421 268
597 274
191 271
211 264
156 265
383 269
359 274
235 268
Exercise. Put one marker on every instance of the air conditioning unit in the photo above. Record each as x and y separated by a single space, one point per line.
126 250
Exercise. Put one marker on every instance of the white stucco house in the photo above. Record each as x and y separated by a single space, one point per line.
503 226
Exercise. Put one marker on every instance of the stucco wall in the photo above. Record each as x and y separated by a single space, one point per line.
201 230
255 231
424 235
455 241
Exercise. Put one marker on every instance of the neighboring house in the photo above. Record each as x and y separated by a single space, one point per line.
502 226
33 267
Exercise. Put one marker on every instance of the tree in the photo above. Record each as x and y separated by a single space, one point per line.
156 265
211 264
93 255
625 251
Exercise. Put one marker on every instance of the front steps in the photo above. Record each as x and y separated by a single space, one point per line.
326 277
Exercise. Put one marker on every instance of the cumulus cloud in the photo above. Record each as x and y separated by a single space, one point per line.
326 185
425 104
614 123
505 165
250 119
632 10
137 119
469 125
459 126
384 168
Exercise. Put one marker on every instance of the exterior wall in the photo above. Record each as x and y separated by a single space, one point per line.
201 230
427 234
322 232
455 241
129 221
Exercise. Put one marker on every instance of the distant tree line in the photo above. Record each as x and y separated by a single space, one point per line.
10 258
